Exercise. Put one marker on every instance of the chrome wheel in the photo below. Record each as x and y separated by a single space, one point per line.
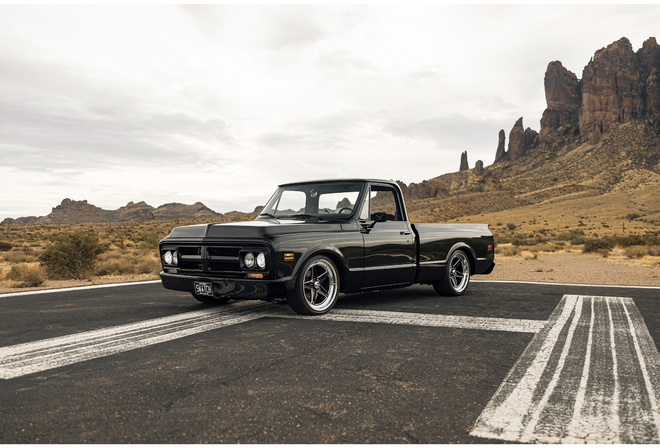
320 285
456 276
459 272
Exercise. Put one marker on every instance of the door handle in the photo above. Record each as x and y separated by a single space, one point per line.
405 233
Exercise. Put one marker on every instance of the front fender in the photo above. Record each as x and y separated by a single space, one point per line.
332 253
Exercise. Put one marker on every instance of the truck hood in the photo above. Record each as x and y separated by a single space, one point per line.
253 229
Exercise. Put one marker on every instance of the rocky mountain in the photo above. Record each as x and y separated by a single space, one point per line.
599 134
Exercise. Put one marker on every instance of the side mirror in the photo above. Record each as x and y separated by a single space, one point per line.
379 217
367 226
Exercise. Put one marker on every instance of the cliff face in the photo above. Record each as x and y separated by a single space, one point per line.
563 97
617 86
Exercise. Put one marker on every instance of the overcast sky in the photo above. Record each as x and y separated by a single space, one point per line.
220 104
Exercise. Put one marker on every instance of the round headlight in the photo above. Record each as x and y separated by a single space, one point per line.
249 260
261 260
175 258
167 257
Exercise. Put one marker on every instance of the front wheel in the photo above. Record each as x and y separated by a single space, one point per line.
211 300
316 288
456 278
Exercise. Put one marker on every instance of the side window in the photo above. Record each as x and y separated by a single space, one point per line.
384 204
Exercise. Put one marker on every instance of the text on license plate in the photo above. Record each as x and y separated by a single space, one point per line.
204 288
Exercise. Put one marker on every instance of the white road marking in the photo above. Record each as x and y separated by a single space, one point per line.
427 320
589 285
75 288
32 357
591 375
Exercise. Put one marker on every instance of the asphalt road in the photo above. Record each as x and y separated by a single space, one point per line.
389 367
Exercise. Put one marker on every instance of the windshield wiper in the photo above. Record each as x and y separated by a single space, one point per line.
267 215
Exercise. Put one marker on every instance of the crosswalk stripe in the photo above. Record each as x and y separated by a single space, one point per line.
589 376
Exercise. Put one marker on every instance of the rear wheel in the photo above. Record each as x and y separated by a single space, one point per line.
316 288
211 300
456 277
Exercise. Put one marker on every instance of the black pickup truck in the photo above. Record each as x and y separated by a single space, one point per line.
314 240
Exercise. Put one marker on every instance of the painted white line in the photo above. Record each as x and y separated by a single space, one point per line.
523 282
32 357
75 288
591 375
426 320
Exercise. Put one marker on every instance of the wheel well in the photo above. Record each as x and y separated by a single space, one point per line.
470 256
339 264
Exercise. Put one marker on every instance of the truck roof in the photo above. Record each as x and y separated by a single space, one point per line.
338 181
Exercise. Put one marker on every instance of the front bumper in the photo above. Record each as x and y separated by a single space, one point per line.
228 287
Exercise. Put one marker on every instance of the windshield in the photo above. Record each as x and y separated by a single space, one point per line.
321 200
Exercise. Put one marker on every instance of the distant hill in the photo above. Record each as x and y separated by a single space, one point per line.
78 212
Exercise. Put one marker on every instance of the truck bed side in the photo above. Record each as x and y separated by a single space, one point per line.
437 241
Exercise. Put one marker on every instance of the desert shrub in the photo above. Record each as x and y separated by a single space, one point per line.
149 240
511 226
5 246
633 216
116 266
570 235
20 256
27 275
502 239
636 251
73 255
600 245
520 241
148 265
506 250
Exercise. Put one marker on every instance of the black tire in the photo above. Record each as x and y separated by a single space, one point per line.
211 300
456 277
316 288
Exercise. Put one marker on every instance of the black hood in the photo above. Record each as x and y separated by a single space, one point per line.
262 228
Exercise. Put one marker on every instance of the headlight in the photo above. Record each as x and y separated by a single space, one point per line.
167 257
249 260
175 258
261 260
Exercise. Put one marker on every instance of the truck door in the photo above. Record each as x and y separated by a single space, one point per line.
389 244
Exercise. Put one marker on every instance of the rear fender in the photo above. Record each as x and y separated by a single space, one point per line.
472 257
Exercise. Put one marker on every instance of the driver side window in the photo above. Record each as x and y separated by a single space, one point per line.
383 204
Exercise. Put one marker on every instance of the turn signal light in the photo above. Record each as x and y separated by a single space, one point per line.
288 256
254 275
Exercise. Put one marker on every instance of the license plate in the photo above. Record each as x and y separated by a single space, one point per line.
204 288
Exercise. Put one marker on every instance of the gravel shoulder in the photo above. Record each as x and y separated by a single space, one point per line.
576 267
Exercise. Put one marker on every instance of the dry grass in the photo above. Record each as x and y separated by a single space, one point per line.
133 250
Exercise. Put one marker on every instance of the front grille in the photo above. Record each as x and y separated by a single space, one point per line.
217 259
223 259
